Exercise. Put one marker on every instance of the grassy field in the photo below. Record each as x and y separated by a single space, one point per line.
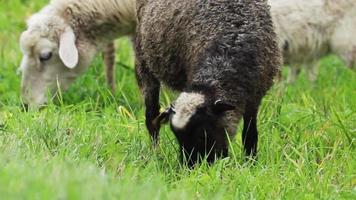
93 144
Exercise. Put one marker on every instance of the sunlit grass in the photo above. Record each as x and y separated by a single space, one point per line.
93 144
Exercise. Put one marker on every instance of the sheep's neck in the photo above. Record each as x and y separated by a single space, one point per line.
101 21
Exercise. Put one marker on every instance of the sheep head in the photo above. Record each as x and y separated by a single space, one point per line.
52 57
198 124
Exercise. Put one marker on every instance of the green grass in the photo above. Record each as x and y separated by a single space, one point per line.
94 145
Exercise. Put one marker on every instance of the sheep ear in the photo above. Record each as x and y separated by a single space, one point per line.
221 106
68 51
163 117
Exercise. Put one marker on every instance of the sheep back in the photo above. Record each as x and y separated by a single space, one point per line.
230 43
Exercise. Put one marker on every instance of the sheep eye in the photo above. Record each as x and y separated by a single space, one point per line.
201 110
45 56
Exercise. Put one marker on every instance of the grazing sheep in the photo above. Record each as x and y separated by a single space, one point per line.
62 39
222 55
310 29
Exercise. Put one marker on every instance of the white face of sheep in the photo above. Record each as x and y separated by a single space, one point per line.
197 124
50 59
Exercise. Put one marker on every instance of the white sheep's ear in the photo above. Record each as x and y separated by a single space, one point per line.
68 51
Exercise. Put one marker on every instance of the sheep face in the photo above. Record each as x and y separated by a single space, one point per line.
50 58
199 127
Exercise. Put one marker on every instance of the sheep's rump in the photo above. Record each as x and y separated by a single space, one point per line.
309 29
233 40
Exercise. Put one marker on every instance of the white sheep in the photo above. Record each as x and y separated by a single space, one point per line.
63 38
310 29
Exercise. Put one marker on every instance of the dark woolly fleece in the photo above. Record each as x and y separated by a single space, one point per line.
227 47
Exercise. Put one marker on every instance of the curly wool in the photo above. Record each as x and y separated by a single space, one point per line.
230 45
224 50
310 29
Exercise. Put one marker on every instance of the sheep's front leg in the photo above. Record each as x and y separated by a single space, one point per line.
249 132
150 87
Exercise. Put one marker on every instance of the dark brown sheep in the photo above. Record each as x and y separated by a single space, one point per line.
221 54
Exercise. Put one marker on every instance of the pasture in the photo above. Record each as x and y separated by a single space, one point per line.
92 144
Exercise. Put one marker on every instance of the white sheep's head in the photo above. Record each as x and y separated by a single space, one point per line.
197 122
52 58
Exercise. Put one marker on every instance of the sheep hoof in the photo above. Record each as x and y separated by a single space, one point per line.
153 129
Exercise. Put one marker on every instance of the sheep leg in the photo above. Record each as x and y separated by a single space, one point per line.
313 71
349 57
150 87
109 61
249 132
293 74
